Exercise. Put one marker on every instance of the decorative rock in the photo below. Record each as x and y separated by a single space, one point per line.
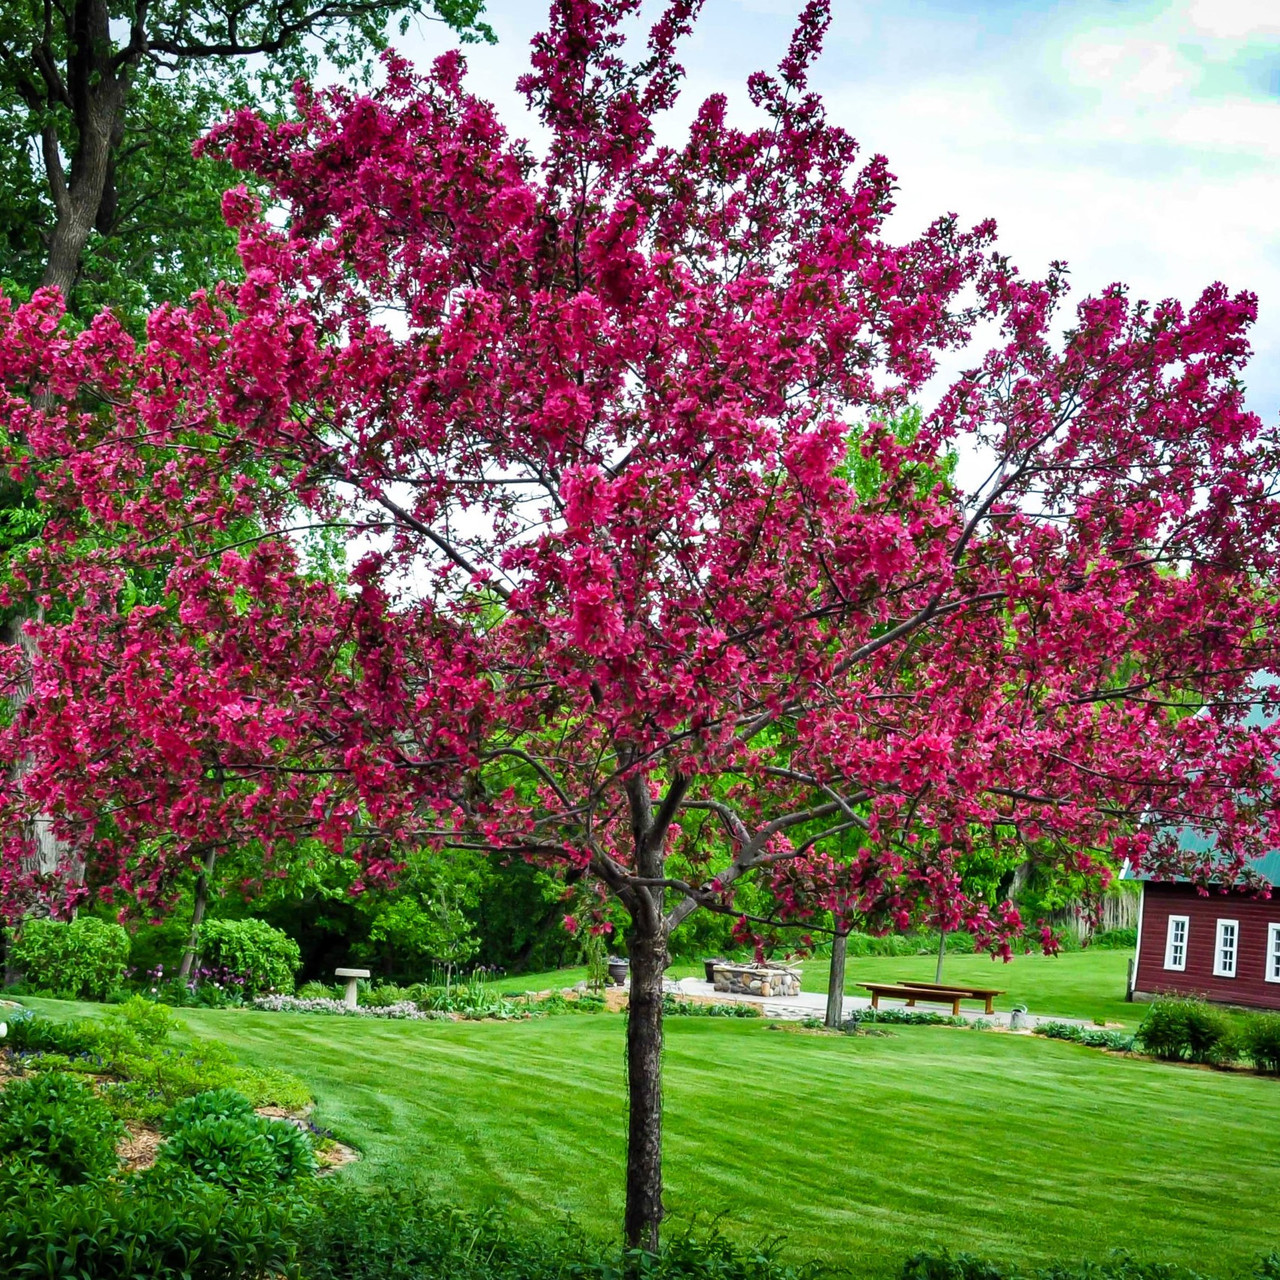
353 977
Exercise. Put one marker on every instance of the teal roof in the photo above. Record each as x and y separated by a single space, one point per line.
1192 841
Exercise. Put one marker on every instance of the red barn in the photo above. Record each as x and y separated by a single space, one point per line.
1225 947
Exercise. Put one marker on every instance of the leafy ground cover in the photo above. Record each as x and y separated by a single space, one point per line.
858 1150
1077 984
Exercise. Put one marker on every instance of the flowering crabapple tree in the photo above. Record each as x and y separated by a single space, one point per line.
615 597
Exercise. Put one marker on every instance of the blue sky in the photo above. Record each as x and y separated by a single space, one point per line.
1140 141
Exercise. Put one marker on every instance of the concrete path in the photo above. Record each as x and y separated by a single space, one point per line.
813 1004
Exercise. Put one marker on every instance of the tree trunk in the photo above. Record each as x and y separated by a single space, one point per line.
647 951
83 196
48 855
942 951
197 915
835 986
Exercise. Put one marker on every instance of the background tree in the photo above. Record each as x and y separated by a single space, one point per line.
102 102
618 581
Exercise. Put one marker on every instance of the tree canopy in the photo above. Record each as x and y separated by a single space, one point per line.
617 595
101 103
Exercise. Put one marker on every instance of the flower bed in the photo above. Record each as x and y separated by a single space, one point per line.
297 1004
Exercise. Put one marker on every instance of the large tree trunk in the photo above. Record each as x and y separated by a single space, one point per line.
647 952
84 196
197 915
835 985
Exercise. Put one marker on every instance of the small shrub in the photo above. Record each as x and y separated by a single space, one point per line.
1188 1031
153 1226
83 958
949 1266
1093 1037
136 1024
401 1233
54 1125
902 1018
218 1137
218 1104
264 957
384 995
1115 939
674 1007
1268 1268
320 991
1260 1041
32 1033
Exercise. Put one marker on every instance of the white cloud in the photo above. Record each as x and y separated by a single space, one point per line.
1235 19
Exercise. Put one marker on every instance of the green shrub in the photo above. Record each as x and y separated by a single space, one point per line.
31 1033
1115 939
319 991
1119 1265
1188 1031
83 958
219 1104
55 1126
402 1234
133 1043
1260 1041
218 1137
674 1007
901 1017
1093 1037
265 958
383 995
152 1227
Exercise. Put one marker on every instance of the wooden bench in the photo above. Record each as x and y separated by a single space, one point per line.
910 992
948 989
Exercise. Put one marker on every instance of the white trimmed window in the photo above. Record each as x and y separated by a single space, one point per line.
1273 953
1175 946
1226 949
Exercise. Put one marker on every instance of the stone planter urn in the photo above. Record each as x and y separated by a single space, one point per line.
710 966
618 970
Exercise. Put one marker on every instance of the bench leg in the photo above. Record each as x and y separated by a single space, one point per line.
991 1008
911 1004
875 999
955 1008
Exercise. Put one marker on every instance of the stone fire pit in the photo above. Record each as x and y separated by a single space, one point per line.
756 980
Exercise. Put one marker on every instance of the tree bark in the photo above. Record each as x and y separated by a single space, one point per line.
197 915
942 951
835 984
642 1218
48 855
84 195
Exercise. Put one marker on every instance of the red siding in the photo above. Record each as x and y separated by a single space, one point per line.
1248 987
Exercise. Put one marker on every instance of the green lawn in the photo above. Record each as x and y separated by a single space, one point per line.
1077 984
860 1150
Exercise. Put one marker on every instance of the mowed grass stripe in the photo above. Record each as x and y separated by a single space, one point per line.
859 1150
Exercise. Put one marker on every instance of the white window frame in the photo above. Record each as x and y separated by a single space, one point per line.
1272 971
1221 967
1185 922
